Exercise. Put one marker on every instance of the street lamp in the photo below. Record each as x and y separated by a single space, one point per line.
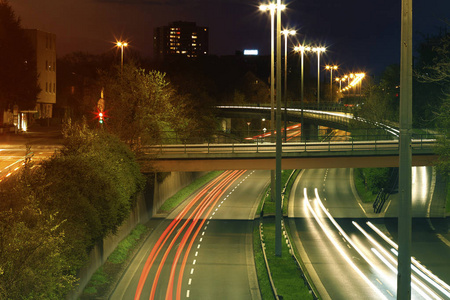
318 50
121 45
331 68
302 50
286 33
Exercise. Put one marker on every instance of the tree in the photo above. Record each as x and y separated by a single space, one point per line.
32 243
438 72
18 75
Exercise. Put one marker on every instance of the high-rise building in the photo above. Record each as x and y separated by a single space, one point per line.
44 44
180 39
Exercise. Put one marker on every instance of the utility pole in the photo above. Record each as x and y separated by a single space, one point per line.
278 212
405 156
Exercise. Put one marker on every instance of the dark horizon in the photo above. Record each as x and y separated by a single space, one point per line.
362 36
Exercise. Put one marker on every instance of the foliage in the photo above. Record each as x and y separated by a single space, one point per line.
32 263
376 179
437 71
51 216
18 65
382 100
141 105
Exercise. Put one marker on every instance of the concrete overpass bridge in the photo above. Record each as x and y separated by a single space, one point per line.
261 156
348 151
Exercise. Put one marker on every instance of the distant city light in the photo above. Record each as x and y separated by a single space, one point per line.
250 52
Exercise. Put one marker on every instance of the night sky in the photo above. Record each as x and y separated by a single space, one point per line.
358 34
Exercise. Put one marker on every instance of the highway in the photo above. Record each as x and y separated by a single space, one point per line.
203 250
345 255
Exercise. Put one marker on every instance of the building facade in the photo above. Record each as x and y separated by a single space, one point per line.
44 44
180 39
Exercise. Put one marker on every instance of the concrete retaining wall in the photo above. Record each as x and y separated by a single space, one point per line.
148 203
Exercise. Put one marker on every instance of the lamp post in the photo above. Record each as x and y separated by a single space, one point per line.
302 50
286 33
272 8
331 68
121 45
318 50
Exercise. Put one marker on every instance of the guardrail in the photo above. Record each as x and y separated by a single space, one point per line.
265 147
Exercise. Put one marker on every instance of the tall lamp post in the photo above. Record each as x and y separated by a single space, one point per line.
121 45
318 50
302 50
272 7
331 68
286 33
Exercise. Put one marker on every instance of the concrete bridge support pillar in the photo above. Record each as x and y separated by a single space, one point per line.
310 131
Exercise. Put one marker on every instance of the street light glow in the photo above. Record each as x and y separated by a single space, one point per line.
271 7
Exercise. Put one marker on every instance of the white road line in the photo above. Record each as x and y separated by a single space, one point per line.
198 246
190 281
192 271
187 294
194 262
196 253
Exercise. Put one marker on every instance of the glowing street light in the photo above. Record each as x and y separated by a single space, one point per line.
286 33
121 45
318 50
331 68
277 188
302 50
272 7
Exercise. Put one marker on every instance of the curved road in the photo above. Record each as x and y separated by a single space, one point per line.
213 258
346 257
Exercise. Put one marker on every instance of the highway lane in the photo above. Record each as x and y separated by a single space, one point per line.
213 261
359 272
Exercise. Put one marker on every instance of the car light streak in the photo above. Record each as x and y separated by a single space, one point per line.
165 235
183 264
344 234
211 193
336 245
441 288
415 263
214 198
196 213
415 287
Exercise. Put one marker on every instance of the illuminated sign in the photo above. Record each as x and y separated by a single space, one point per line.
251 52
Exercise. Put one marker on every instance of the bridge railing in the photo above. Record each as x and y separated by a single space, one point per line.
418 143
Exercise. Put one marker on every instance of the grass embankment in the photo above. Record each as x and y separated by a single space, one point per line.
286 275
185 192
100 283
366 195
447 209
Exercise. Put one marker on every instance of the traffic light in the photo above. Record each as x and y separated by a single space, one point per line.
100 117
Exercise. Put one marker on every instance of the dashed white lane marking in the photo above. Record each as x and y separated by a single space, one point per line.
196 253
194 262
201 239
198 246
190 281
187 294
192 271
206 226
207 223
203 233
378 281
389 293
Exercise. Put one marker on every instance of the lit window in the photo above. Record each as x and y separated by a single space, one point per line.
194 44
194 36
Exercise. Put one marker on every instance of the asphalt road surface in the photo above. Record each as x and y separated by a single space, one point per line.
349 253
208 254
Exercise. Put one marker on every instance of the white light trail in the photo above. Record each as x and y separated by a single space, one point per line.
336 245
